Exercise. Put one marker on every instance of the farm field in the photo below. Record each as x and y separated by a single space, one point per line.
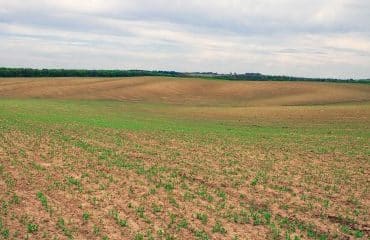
167 158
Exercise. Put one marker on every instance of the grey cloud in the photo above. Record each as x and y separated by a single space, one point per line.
327 38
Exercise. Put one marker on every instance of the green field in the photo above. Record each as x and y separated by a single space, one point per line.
100 169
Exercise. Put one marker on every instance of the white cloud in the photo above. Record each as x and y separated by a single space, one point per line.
311 38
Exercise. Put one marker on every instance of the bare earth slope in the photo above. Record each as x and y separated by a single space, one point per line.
188 91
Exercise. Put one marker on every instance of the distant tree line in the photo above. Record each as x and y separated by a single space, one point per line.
30 72
262 77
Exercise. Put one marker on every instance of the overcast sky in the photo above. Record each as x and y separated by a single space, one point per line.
315 38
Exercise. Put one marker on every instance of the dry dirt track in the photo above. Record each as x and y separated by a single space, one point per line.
191 91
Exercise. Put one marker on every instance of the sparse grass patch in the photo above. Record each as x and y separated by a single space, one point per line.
85 216
74 182
218 228
203 218
63 227
32 227
43 200
121 222
170 175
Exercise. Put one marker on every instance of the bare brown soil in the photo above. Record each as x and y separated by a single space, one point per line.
299 190
190 91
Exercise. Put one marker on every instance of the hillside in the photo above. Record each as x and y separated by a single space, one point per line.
186 91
